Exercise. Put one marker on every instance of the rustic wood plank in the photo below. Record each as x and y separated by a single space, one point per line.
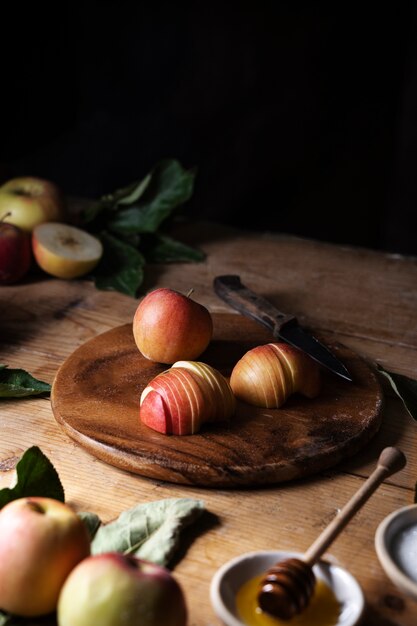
365 300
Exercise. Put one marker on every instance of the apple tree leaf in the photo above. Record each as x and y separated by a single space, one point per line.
121 268
170 186
405 388
161 248
17 383
149 531
111 201
35 476
91 520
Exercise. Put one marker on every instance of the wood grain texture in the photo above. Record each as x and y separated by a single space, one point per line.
96 393
361 298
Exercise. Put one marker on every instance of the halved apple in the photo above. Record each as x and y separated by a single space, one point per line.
65 251
179 400
267 375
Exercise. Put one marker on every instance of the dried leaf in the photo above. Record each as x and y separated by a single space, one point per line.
150 531
405 388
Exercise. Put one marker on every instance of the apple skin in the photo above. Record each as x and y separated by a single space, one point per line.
267 375
15 253
113 589
31 201
169 326
41 541
179 400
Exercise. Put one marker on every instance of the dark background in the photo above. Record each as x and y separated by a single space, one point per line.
301 117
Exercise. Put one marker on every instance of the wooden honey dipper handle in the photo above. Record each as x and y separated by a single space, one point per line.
391 460
286 588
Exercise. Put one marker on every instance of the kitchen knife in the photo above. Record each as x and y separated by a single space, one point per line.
282 325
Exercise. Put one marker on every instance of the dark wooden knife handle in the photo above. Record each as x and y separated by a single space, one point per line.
232 291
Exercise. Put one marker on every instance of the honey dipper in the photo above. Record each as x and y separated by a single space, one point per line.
286 588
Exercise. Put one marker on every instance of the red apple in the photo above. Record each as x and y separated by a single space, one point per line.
41 541
169 326
112 589
15 253
179 400
267 375
31 201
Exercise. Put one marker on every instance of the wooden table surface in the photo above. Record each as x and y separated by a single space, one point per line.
365 299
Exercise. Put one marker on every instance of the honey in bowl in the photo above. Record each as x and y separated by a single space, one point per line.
322 610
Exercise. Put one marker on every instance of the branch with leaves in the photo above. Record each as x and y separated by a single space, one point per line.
129 224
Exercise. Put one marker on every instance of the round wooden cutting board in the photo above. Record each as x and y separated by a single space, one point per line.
95 398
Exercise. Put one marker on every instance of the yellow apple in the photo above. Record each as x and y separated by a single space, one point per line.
29 201
114 589
41 541
65 251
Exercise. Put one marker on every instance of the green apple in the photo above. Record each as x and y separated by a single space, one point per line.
113 589
41 541
65 251
30 201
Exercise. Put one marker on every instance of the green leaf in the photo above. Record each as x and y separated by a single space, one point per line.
6 619
121 267
16 383
131 194
163 249
150 531
35 476
169 187
109 202
405 388
91 520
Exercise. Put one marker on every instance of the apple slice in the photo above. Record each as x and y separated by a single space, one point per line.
267 375
179 400
65 251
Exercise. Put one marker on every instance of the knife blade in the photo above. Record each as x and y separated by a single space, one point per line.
283 325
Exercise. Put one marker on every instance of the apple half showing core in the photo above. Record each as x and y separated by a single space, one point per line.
65 251
179 400
113 589
267 375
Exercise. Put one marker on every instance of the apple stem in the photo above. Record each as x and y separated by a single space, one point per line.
5 215
189 293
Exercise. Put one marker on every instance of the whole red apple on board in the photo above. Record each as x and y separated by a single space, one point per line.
41 541
112 589
30 201
169 326
15 253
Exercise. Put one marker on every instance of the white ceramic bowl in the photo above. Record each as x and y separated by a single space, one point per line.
232 575
386 536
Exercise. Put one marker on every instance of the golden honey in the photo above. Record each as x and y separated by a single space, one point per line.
323 609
